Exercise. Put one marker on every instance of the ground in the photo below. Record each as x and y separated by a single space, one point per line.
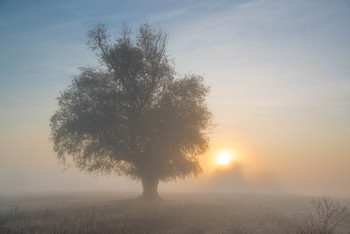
176 213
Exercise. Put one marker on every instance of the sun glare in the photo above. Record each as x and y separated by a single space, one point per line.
224 158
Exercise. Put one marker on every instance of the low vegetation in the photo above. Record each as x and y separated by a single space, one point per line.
195 213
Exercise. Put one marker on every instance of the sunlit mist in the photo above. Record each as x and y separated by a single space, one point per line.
182 116
224 158
279 78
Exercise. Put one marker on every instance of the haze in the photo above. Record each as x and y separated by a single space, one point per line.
279 73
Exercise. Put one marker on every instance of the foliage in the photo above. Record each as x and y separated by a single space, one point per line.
132 115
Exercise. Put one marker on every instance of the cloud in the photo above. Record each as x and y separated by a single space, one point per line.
168 15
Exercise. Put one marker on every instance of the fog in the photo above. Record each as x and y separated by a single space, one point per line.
33 168
280 90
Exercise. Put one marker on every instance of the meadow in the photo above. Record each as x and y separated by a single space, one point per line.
176 213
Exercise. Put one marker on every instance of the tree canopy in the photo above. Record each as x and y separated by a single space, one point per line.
133 115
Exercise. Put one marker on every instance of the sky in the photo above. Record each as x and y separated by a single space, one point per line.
279 73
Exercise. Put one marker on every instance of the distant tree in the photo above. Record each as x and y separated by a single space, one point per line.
329 214
133 115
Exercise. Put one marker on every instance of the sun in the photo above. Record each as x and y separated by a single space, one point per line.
224 158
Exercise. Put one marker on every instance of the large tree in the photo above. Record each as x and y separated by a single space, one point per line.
133 114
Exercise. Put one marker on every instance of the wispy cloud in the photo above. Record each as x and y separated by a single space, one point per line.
168 15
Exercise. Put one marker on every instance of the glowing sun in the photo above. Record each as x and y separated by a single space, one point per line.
224 158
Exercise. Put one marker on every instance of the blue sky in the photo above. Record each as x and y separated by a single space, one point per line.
279 73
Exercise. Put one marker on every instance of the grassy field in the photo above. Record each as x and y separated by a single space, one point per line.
177 213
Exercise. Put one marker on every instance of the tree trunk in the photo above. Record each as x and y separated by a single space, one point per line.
150 190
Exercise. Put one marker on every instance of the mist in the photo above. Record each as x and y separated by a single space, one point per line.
274 76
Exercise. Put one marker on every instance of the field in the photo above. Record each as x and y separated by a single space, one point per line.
176 213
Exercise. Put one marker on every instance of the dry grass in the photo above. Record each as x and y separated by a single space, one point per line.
195 213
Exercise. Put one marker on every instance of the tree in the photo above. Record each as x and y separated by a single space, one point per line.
133 114
329 214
